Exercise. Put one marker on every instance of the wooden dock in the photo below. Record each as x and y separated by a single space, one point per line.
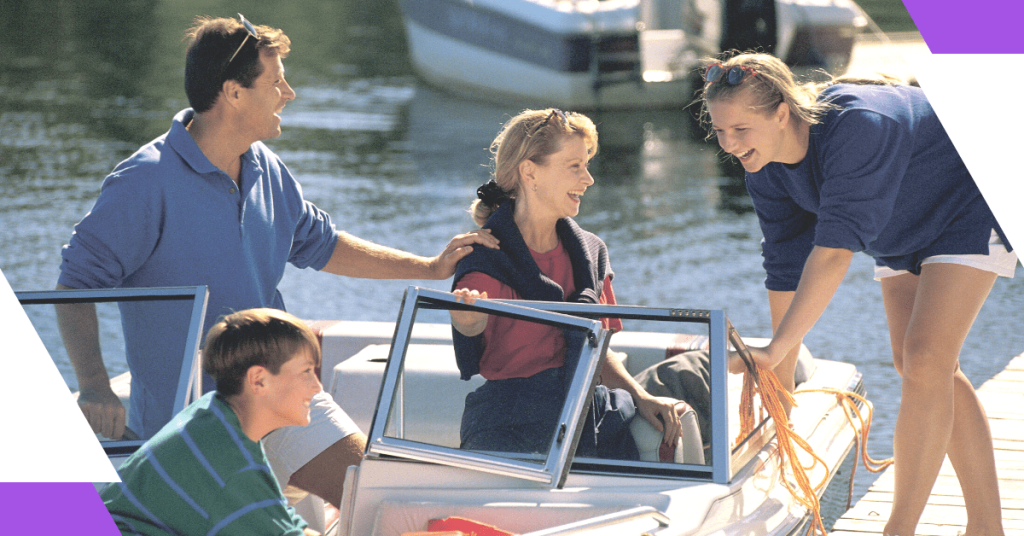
945 515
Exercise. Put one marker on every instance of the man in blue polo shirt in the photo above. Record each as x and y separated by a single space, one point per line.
208 203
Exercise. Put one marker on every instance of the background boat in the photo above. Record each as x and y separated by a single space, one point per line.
612 54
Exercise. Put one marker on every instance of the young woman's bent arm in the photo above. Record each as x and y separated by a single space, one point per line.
822 274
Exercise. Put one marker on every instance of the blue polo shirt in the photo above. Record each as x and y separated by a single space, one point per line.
167 216
880 176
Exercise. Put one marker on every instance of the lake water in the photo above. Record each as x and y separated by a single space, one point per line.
83 84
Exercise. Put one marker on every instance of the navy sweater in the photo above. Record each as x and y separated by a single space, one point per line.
513 265
880 176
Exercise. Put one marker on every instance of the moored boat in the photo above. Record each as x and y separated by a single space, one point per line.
610 54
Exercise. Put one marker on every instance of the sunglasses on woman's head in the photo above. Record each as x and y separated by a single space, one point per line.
554 112
733 75
251 33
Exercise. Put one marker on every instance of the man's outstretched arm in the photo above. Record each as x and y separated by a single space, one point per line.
355 257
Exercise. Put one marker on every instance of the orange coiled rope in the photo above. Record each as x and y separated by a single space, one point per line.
848 401
770 389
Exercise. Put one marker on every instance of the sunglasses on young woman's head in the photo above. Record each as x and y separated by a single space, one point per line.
732 76
251 33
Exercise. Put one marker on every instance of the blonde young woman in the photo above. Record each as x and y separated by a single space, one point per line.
844 167
541 173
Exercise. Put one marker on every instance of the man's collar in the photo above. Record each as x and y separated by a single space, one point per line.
183 143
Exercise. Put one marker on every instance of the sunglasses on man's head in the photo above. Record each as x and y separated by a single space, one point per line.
733 75
251 33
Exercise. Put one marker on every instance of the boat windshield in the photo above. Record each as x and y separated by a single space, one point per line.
434 406
521 427
180 313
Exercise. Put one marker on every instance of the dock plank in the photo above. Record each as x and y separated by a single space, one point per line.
945 514
1014 507
950 514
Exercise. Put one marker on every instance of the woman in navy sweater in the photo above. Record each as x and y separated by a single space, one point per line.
866 166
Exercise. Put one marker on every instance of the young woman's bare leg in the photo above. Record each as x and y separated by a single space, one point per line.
971 452
929 318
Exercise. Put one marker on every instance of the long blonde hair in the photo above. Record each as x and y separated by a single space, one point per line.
532 135
774 83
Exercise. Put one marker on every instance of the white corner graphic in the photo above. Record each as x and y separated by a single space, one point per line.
983 123
46 437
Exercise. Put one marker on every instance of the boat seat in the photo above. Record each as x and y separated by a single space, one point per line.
435 397
689 449
433 393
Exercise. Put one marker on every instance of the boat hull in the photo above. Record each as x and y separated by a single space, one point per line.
538 55
600 55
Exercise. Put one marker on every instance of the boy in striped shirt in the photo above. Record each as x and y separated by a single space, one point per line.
205 472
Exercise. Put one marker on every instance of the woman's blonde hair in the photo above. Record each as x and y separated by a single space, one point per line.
772 83
532 135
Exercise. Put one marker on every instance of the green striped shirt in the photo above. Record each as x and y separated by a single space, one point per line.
200 475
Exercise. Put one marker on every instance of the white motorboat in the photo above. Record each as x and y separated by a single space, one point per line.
403 386
611 54
399 381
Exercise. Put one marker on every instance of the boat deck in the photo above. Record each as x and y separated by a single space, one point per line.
945 515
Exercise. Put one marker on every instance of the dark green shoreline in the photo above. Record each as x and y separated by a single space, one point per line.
889 15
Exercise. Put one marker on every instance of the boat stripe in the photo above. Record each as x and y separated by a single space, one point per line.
497 32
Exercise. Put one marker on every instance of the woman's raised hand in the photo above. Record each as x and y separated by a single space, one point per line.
469 323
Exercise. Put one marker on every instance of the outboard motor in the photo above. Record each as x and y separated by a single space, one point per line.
749 25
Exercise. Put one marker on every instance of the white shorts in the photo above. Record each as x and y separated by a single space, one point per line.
291 447
998 261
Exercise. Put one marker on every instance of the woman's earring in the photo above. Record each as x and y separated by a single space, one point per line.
534 187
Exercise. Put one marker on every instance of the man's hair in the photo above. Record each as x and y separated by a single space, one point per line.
208 63
264 337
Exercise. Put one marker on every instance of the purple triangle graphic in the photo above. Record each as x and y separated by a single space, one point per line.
978 27
59 508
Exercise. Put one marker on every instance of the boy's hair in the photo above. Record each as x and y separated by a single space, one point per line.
264 337
208 63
